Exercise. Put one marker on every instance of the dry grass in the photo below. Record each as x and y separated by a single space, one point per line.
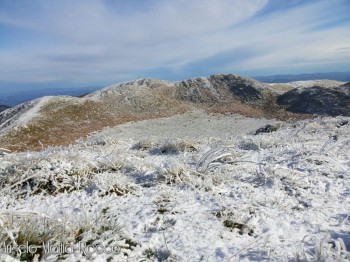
236 107
268 109
61 123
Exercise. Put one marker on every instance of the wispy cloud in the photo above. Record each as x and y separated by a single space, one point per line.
107 41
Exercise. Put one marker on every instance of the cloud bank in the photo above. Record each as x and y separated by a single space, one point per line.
97 42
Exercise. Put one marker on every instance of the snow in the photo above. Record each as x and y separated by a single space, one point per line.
119 88
311 83
275 196
194 124
11 116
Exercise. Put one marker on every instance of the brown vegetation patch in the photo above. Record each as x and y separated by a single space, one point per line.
268 109
281 87
63 122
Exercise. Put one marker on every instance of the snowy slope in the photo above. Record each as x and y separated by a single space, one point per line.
27 112
62 120
275 196
311 83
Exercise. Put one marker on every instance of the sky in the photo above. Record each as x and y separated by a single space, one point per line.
70 43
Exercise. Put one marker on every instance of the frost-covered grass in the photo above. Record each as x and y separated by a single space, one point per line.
276 196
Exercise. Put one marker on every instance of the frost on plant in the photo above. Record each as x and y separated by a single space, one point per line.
279 195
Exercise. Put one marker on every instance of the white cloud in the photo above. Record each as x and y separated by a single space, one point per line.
89 41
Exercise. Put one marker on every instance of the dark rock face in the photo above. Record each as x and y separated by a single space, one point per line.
318 100
219 88
2 107
240 87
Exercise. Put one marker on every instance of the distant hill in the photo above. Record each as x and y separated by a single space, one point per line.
3 107
339 76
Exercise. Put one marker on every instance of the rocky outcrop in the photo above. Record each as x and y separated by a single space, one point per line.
318 100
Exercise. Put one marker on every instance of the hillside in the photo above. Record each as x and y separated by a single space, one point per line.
60 120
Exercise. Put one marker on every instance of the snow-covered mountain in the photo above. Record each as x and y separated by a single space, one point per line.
61 120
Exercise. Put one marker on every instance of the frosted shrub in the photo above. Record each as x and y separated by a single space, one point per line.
108 183
249 144
165 147
325 249
29 228
32 229
143 145
213 154
265 197
173 172
188 146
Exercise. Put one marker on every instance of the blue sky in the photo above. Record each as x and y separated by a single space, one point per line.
89 42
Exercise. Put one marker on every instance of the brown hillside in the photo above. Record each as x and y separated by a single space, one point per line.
62 120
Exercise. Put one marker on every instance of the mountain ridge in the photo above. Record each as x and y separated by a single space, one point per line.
61 120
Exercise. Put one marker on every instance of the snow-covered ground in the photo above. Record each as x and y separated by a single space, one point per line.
280 196
194 124
310 83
